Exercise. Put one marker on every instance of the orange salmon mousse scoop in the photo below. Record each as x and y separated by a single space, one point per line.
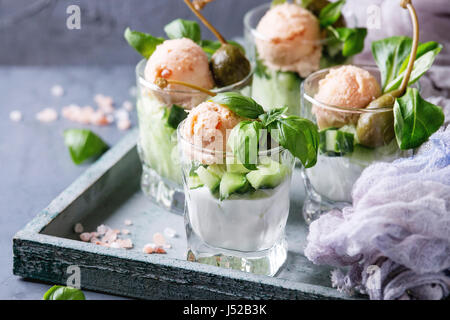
346 86
180 59
207 127
289 38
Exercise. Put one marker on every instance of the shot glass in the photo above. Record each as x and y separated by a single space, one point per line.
245 229
341 158
274 88
161 178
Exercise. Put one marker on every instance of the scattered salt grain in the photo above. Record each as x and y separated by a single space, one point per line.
110 236
125 243
47 115
125 231
102 229
148 248
128 222
160 250
57 91
78 228
127 105
86 236
115 245
15 116
98 118
105 103
123 124
159 239
170 233
121 114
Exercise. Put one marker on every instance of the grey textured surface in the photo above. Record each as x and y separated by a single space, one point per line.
108 193
35 165
34 32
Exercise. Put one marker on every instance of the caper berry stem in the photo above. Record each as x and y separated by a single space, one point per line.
206 22
163 83
407 4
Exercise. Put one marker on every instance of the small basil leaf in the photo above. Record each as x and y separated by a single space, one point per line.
144 43
415 119
241 105
244 142
83 144
353 40
299 136
331 13
421 50
272 115
421 66
176 115
277 2
64 293
181 28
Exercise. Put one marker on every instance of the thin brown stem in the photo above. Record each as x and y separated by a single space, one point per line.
163 83
205 22
407 4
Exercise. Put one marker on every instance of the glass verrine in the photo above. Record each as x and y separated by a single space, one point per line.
246 229
342 158
157 144
273 87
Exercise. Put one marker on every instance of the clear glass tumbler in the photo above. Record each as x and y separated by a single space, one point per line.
246 230
341 158
161 178
274 88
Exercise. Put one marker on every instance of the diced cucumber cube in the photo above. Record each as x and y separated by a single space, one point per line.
267 175
231 183
233 165
339 142
208 178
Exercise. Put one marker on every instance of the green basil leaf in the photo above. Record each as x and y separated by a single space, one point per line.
244 142
83 144
272 115
64 293
421 50
415 119
353 40
144 43
421 66
331 13
176 115
392 56
299 136
277 2
181 28
241 105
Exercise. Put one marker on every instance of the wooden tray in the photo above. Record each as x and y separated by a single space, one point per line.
108 193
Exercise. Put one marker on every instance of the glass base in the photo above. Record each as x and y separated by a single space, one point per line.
165 193
265 262
315 205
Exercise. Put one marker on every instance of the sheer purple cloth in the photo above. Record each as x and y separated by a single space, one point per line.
395 239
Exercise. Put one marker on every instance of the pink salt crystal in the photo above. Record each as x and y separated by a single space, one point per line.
128 222
94 240
71 111
116 231
15 116
125 231
86 115
78 228
98 118
126 243
105 103
85 236
110 236
115 245
102 229
159 239
123 124
170 233
160 250
57 91
148 248
47 115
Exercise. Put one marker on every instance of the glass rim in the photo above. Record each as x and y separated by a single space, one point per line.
181 138
312 100
247 25
149 85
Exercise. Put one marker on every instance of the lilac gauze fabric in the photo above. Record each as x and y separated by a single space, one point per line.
395 240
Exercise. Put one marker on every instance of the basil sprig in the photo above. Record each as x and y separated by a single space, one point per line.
83 144
299 136
63 293
144 43
181 28
331 13
392 56
415 119
241 105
